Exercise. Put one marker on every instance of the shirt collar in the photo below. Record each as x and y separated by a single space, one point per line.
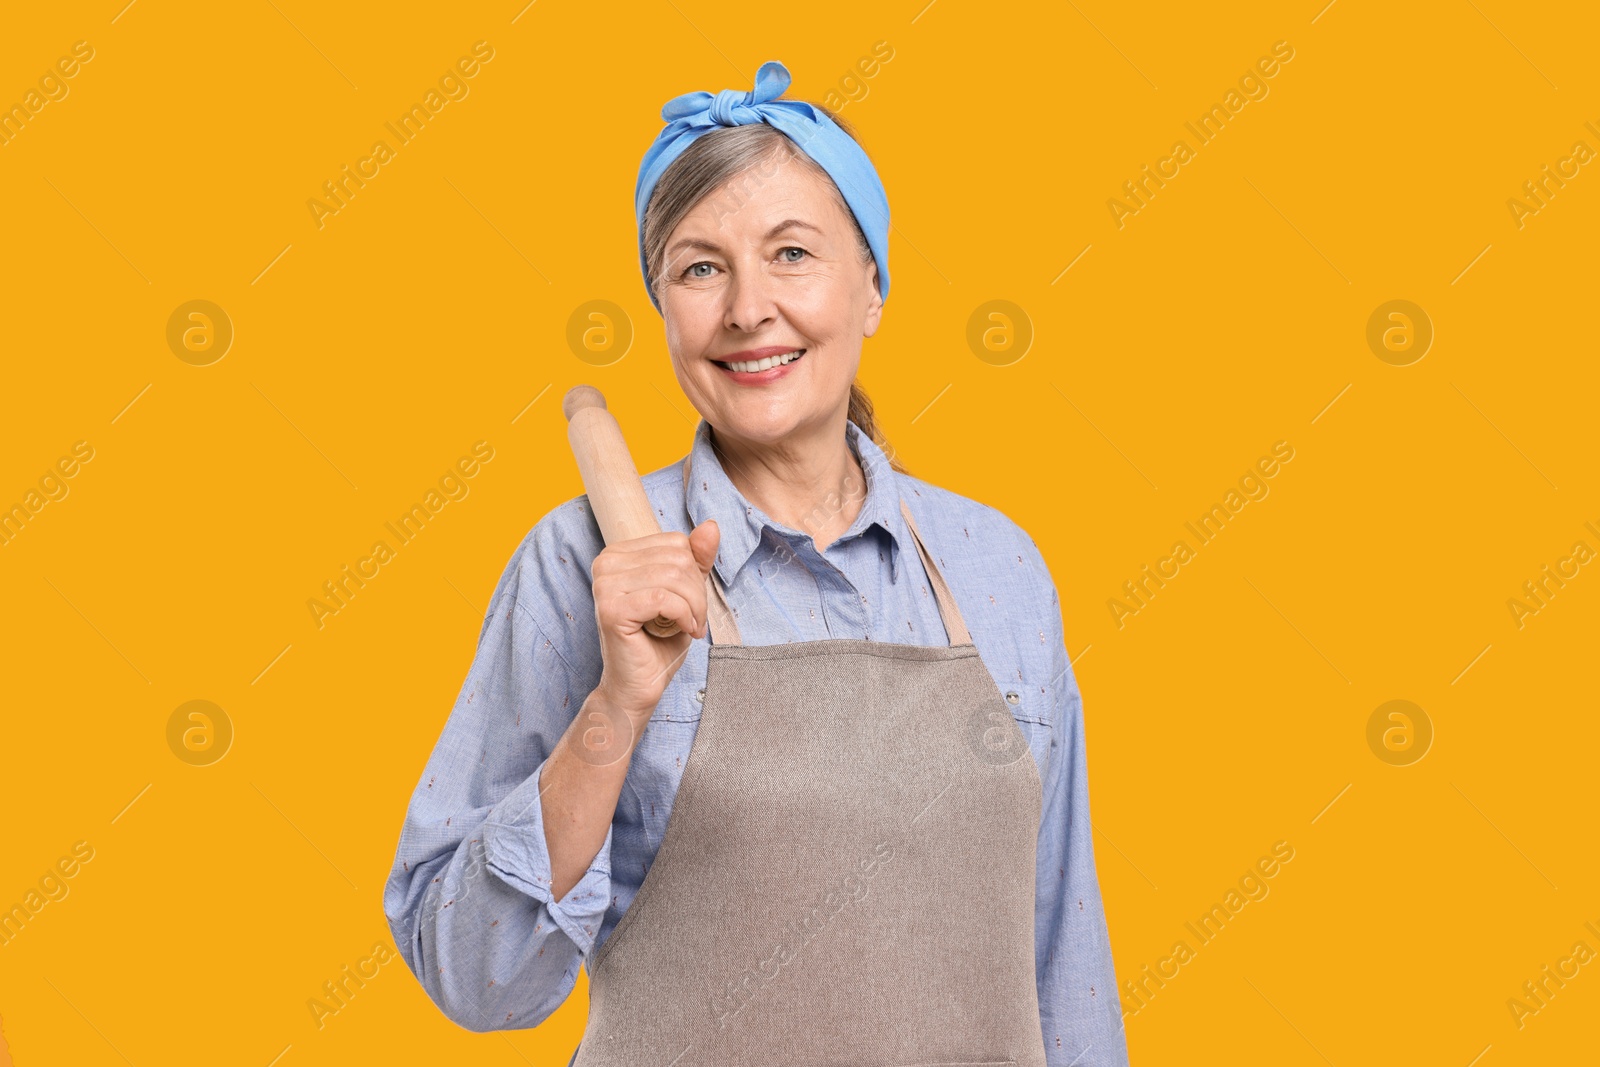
712 495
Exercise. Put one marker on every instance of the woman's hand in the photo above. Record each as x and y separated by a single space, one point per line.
635 581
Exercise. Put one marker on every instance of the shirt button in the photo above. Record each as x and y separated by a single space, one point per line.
1012 697
701 696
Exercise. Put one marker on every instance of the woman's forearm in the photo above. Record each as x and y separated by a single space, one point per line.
579 787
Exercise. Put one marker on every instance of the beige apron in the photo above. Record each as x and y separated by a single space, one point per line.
847 875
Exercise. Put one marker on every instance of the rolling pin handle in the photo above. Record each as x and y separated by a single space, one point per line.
580 397
616 496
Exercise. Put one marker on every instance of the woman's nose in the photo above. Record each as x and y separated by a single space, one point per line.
750 301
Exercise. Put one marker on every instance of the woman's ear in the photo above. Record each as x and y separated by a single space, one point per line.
874 305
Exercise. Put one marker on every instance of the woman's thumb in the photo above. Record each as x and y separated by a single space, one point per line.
703 541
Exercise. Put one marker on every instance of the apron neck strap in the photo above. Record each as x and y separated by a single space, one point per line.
725 631
954 625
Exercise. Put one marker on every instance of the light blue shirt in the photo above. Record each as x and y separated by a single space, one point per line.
468 899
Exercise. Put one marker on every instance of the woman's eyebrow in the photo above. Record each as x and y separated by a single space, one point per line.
686 243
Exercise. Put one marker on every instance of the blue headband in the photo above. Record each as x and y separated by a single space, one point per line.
693 115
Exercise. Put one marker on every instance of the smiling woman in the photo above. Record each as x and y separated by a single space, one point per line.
843 807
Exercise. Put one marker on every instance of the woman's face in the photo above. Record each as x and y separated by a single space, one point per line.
768 264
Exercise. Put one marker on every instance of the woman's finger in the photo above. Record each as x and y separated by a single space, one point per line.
632 609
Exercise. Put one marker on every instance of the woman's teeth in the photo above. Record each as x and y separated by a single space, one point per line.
766 364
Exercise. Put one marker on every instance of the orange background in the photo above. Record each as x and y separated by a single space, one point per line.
1229 313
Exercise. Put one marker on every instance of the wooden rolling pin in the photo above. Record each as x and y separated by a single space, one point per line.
609 477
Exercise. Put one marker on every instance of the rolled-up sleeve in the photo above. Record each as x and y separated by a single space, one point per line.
468 898
516 851
1079 1008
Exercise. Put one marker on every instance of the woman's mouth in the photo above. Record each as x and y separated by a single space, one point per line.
766 369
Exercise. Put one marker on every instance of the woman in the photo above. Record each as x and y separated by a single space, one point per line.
861 820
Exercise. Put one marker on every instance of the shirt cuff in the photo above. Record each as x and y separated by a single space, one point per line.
515 850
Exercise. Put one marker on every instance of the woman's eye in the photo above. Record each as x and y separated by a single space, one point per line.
703 269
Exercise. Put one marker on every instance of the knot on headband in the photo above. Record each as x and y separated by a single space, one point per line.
693 115
730 107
